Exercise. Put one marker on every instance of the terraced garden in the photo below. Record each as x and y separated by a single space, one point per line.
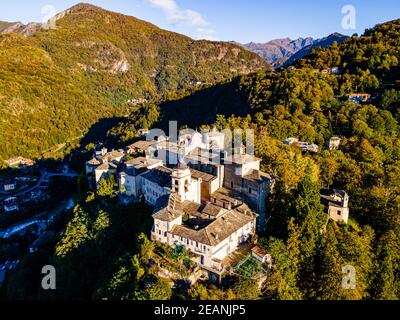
249 267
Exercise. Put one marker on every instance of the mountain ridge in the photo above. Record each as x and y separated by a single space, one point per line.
322 43
57 83
280 52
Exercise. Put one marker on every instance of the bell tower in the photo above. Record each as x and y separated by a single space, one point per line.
181 176
181 181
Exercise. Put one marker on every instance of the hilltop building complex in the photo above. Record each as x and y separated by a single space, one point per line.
205 197
211 203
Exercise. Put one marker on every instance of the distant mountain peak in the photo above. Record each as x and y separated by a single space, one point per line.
19 27
83 6
277 51
78 8
323 43
281 51
5 25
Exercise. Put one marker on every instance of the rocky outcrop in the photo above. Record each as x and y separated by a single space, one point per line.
25 30
108 58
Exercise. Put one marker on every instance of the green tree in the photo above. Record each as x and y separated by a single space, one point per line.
108 187
76 234
281 282
387 281
245 289
330 272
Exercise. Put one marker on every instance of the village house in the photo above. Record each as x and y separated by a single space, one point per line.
137 101
243 175
359 97
305 146
212 239
334 70
156 183
141 147
130 179
104 171
19 161
337 204
334 143
10 204
9 185
261 255
103 164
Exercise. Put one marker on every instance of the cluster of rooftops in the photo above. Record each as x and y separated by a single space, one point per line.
211 223
212 202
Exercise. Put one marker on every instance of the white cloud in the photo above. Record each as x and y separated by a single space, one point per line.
176 15
166 5
206 34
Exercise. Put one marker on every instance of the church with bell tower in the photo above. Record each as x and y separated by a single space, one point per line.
186 188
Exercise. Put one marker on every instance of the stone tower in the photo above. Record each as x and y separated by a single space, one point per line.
181 181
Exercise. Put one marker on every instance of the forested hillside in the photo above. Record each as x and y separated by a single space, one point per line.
309 253
313 106
55 84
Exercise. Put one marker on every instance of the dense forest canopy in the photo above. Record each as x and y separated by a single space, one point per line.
56 84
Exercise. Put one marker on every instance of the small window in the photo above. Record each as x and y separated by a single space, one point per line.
232 184
165 234
339 212
250 190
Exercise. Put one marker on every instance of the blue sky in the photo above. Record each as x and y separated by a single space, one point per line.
239 20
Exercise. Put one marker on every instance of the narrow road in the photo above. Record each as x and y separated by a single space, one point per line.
39 218
43 177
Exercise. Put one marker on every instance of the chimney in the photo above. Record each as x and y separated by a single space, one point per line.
227 205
